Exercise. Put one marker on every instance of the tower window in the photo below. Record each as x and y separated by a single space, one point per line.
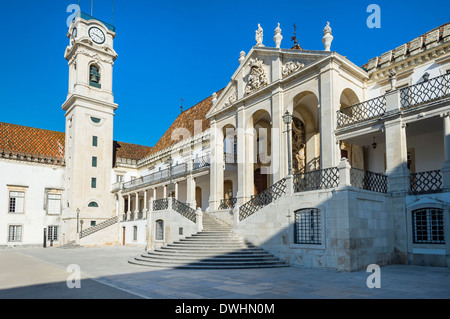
94 140
94 161
93 182
92 204
94 76
96 120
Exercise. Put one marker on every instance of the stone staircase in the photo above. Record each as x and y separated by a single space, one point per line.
216 247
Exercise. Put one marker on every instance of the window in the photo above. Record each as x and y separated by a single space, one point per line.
92 204
96 120
119 178
94 76
54 204
307 226
15 233
16 202
159 230
134 232
52 233
94 140
93 223
428 226
94 161
93 182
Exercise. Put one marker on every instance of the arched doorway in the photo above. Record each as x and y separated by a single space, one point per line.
305 133
354 153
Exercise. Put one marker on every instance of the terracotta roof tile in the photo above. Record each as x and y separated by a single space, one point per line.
41 142
186 120
24 139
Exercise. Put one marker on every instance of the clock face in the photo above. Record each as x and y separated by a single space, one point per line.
97 35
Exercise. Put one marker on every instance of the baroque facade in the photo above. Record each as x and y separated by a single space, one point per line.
321 162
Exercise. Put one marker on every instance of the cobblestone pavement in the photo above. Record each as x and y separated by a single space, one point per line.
35 273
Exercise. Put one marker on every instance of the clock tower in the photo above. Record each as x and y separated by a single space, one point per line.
89 108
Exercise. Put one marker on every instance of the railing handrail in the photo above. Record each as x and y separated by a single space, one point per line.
161 204
408 93
227 203
183 210
96 228
426 182
368 180
317 179
263 199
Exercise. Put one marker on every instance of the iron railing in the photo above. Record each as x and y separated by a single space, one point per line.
425 91
319 179
85 16
96 228
371 181
184 210
264 198
227 203
362 111
161 204
426 182
201 162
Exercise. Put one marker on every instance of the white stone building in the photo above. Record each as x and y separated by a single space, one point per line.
367 178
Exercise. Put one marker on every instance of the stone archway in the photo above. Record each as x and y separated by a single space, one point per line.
305 133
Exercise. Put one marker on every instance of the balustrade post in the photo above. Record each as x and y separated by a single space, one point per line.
199 219
235 215
169 203
344 173
393 101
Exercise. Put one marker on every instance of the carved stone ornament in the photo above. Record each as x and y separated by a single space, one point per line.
258 77
231 99
291 67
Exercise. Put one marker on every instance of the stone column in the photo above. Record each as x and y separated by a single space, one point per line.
396 156
216 167
176 190
446 165
165 191
279 140
154 193
136 209
145 201
129 204
149 229
328 105
190 191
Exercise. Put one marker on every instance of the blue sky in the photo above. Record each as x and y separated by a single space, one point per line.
170 50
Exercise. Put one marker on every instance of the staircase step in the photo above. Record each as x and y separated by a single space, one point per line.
216 247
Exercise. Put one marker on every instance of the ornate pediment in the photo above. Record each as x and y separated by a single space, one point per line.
291 67
257 77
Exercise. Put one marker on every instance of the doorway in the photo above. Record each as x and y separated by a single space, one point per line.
198 196
260 181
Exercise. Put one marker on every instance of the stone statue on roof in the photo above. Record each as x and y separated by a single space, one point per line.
259 36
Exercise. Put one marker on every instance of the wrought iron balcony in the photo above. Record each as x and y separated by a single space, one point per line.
201 162
362 111
314 180
86 16
371 181
426 182
425 91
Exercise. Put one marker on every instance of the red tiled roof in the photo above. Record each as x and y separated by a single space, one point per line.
130 151
186 120
24 139
41 142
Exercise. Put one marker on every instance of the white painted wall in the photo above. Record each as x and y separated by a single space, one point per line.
36 177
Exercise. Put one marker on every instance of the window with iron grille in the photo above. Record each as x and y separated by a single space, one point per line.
159 230
307 228
93 182
16 202
94 161
52 233
428 226
15 233
94 140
